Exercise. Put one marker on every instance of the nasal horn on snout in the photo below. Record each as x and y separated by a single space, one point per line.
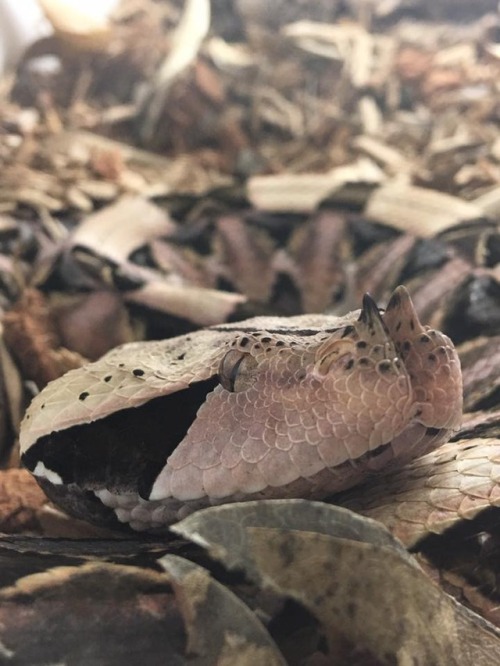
400 316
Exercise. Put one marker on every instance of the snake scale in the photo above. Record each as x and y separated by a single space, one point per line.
270 407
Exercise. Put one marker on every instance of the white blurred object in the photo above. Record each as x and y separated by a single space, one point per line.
23 22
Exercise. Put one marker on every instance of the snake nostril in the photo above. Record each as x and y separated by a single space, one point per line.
384 366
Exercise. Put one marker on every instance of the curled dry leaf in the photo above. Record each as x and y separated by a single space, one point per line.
298 515
348 585
111 236
433 291
247 254
381 265
12 402
318 250
228 636
115 232
91 324
303 192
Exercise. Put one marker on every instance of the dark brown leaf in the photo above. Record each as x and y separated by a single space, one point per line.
94 614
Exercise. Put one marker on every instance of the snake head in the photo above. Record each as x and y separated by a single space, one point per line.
270 407
316 410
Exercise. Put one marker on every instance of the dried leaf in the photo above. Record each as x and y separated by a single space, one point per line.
186 42
320 250
91 324
303 192
118 230
388 157
232 634
418 211
237 58
21 500
31 336
489 202
12 401
99 190
79 26
211 528
432 292
247 255
204 307
96 613
348 585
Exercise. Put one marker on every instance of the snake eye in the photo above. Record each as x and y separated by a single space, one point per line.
233 368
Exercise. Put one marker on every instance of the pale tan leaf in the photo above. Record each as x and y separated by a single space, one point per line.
116 231
204 307
77 24
303 192
417 210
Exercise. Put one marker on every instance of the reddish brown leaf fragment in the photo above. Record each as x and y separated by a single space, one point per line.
21 499
31 336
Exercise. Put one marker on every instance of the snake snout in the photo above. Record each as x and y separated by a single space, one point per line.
431 361
400 316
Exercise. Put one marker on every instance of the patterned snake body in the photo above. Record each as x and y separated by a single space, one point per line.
270 407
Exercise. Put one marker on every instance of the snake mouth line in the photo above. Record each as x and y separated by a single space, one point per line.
430 433
84 503
363 465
